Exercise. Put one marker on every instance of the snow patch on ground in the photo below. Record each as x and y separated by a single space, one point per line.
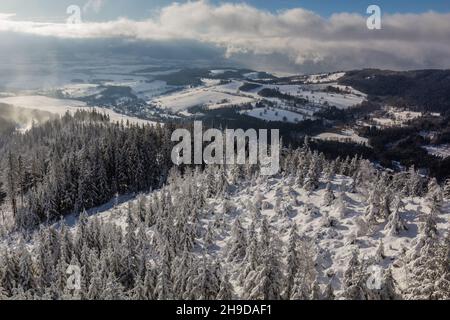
441 151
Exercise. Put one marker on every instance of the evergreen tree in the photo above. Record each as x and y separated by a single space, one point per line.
237 243
113 290
388 289
395 223
316 293
328 196
293 260
446 189
268 279
329 292
226 291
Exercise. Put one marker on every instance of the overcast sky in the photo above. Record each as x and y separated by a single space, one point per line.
302 35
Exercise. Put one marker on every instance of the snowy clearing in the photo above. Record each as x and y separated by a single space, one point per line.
344 135
324 77
209 97
274 114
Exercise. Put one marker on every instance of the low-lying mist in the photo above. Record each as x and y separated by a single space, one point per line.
16 118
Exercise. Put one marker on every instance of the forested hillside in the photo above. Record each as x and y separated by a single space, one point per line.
421 90
78 162
319 230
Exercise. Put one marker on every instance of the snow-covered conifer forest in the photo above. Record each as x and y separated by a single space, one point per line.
82 191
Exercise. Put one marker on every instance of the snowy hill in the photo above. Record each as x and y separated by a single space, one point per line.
334 230
321 230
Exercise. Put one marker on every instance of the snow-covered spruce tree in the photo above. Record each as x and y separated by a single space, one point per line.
328 197
300 290
385 204
257 204
428 229
205 284
430 270
379 253
226 291
3 295
97 283
313 175
113 290
353 186
163 288
210 182
415 183
267 280
373 207
139 290
150 283
316 293
434 193
388 289
237 243
446 189
164 284
435 197
209 236
26 275
329 171
396 224
132 245
293 260
307 272
339 206
329 292
181 270
354 286
252 255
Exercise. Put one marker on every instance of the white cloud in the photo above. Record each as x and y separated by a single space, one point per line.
6 16
341 41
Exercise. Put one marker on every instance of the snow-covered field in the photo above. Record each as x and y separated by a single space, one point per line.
61 106
340 101
215 95
324 77
316 95
343 136
80 90
274 114
211 96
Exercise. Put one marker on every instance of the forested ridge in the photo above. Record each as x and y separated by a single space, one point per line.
79 162
420 90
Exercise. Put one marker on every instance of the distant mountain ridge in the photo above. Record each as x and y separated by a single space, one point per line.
422 90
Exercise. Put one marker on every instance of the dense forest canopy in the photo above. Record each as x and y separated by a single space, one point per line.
422 90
